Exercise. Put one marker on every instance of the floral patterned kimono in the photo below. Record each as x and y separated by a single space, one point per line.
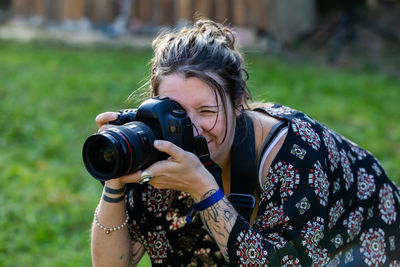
325 201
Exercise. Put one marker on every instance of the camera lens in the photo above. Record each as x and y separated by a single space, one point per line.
119 151
108 154
103 155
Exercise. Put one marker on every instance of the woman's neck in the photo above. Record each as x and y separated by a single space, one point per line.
225 165
226 178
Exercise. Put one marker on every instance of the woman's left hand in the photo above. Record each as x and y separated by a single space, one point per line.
183 171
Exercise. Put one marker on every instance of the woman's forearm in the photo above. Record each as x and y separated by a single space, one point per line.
219 220
114 248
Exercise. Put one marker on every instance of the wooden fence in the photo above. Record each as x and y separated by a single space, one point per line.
251 13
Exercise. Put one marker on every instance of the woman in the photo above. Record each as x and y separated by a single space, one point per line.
320 199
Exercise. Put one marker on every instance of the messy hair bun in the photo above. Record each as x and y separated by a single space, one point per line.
206 50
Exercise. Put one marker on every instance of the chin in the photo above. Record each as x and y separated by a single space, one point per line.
210 146
215 158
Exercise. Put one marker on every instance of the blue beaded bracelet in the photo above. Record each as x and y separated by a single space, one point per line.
204 204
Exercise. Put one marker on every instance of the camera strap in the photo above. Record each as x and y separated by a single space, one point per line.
243 167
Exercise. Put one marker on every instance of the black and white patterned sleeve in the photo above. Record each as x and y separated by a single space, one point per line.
293 207
325 201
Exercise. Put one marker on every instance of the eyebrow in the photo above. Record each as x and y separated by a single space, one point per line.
209 106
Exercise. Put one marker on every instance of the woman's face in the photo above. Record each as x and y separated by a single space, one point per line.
205 110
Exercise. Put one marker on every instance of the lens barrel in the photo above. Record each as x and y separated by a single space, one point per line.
120 150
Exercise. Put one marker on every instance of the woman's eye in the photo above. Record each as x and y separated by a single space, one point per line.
209 112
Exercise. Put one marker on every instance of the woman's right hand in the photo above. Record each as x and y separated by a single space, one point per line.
103 122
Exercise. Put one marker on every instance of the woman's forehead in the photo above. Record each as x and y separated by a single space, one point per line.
188 90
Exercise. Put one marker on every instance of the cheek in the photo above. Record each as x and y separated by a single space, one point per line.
218 128
207 124
228 127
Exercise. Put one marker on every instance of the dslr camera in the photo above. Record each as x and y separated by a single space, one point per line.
128 147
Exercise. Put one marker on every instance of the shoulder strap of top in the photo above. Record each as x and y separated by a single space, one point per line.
272 135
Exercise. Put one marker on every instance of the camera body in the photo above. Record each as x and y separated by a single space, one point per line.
128 146
169 119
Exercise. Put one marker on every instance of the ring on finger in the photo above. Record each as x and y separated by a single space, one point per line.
145 177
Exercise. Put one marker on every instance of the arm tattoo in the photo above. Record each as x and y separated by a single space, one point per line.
137 251
219 220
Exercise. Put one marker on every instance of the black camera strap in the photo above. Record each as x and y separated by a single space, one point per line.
243 167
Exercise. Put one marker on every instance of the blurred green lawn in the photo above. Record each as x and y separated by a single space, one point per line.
50 95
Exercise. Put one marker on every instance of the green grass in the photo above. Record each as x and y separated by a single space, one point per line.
361 106
50 95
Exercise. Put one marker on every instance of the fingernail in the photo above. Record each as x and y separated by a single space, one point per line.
157 143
